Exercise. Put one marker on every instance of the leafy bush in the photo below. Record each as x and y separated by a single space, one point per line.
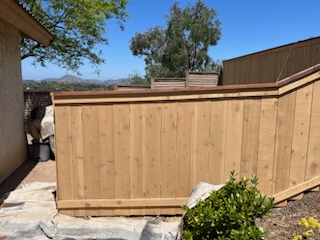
228 213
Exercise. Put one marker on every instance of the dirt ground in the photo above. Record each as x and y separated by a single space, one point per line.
282 223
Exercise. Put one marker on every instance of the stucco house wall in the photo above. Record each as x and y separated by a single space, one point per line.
14 22
13 151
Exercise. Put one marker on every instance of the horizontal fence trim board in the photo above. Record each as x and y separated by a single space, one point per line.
122 203
294 85
299 75
163 92
166 98
295 190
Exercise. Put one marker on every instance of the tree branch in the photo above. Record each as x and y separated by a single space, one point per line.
31 52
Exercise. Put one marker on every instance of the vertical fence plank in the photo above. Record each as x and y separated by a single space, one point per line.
184 146
250 138
313 162
168 154
152 150
91 155
233 137
201 171
137 157
300 135
285 122
64 156
152 153
218 129
122 153
266 149
106 155
78 155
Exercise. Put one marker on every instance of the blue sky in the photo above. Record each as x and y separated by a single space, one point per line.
247 26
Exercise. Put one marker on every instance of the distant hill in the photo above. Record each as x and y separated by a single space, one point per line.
77 80
70 83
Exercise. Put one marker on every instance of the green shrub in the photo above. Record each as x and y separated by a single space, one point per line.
228 213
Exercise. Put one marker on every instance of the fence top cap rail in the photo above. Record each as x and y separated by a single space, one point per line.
187 91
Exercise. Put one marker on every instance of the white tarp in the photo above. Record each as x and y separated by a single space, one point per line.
35 217
47 123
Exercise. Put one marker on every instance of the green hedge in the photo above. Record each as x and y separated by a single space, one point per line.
228 213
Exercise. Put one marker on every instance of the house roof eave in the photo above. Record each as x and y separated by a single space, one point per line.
17 16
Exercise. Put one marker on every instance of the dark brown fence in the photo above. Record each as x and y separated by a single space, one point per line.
272 65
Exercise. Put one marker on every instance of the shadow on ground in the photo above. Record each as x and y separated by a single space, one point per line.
13 181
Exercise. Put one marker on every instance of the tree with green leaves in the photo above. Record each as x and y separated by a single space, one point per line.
78 27
183 45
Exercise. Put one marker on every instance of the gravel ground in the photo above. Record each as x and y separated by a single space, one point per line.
282 223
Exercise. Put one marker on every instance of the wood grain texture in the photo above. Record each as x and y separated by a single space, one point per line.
267 144
142 152
233 137
64 156
285 122
313 161
250 137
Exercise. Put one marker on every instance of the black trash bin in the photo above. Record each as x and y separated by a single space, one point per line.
40 150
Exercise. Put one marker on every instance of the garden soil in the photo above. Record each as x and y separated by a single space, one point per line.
282 223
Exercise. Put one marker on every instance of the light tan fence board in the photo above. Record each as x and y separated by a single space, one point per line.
121 152
185 139
201 142
300 135
267 141
137 175
106 155
218 129
168 154
152 151
64 150
78 154
250 137
91 155
233 137
143 157
313 160
286 110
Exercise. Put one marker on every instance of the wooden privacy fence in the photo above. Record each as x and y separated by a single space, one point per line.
192 79
273 64
142 152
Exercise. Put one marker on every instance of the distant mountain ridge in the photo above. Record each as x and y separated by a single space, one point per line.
77 80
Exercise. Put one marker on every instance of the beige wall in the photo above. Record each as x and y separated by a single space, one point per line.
13 149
